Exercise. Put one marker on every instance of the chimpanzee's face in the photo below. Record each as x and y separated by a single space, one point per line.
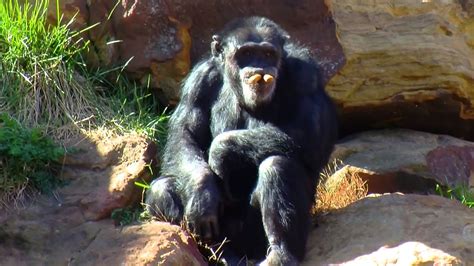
258 71
253 61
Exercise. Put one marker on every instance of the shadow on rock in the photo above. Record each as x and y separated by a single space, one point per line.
72 226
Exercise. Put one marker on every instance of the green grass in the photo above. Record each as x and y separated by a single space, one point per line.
44 81
133 108
460 193
39 84
128 216
47 89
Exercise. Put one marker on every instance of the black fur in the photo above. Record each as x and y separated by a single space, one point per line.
246 167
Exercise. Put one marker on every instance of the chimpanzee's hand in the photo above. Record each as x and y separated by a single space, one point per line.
201 211
279 256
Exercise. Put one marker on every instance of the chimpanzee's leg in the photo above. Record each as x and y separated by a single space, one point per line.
234 156
230 160
163 201
245 233
284 194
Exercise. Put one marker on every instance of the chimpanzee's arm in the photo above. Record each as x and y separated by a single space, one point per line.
313 123
189 134
185 152
314 129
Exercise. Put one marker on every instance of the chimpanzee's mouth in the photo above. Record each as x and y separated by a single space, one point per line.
257 78
259 86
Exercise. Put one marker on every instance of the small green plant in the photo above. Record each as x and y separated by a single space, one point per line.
27 158
125 216
460 193
143 185
129 215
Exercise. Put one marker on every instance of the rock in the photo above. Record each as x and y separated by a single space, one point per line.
409 253
407 62
94 243
63 228
453 163
148 244
395 229
103 172
406 160
165 37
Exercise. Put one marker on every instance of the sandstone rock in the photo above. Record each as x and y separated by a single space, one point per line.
395 229
158 34
95 243
147 244
103 172
408 64
406 160
409 253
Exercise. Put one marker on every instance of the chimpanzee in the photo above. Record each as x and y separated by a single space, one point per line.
246 143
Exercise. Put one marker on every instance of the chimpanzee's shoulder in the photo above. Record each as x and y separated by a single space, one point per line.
301 70
203 81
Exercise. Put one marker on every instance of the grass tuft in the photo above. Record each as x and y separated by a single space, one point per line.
133 109
128 216
460 193
337 189
39 83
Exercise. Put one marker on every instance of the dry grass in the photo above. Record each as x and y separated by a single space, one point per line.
39 82
14 196
58 102
337 189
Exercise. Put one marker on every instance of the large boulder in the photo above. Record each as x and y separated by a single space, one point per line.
408 64
406 160
395 229
147 244
97 243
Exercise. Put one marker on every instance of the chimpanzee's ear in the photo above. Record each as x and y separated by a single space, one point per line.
216 45
285 37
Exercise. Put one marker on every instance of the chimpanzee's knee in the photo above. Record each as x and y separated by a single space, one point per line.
222 151
230 161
